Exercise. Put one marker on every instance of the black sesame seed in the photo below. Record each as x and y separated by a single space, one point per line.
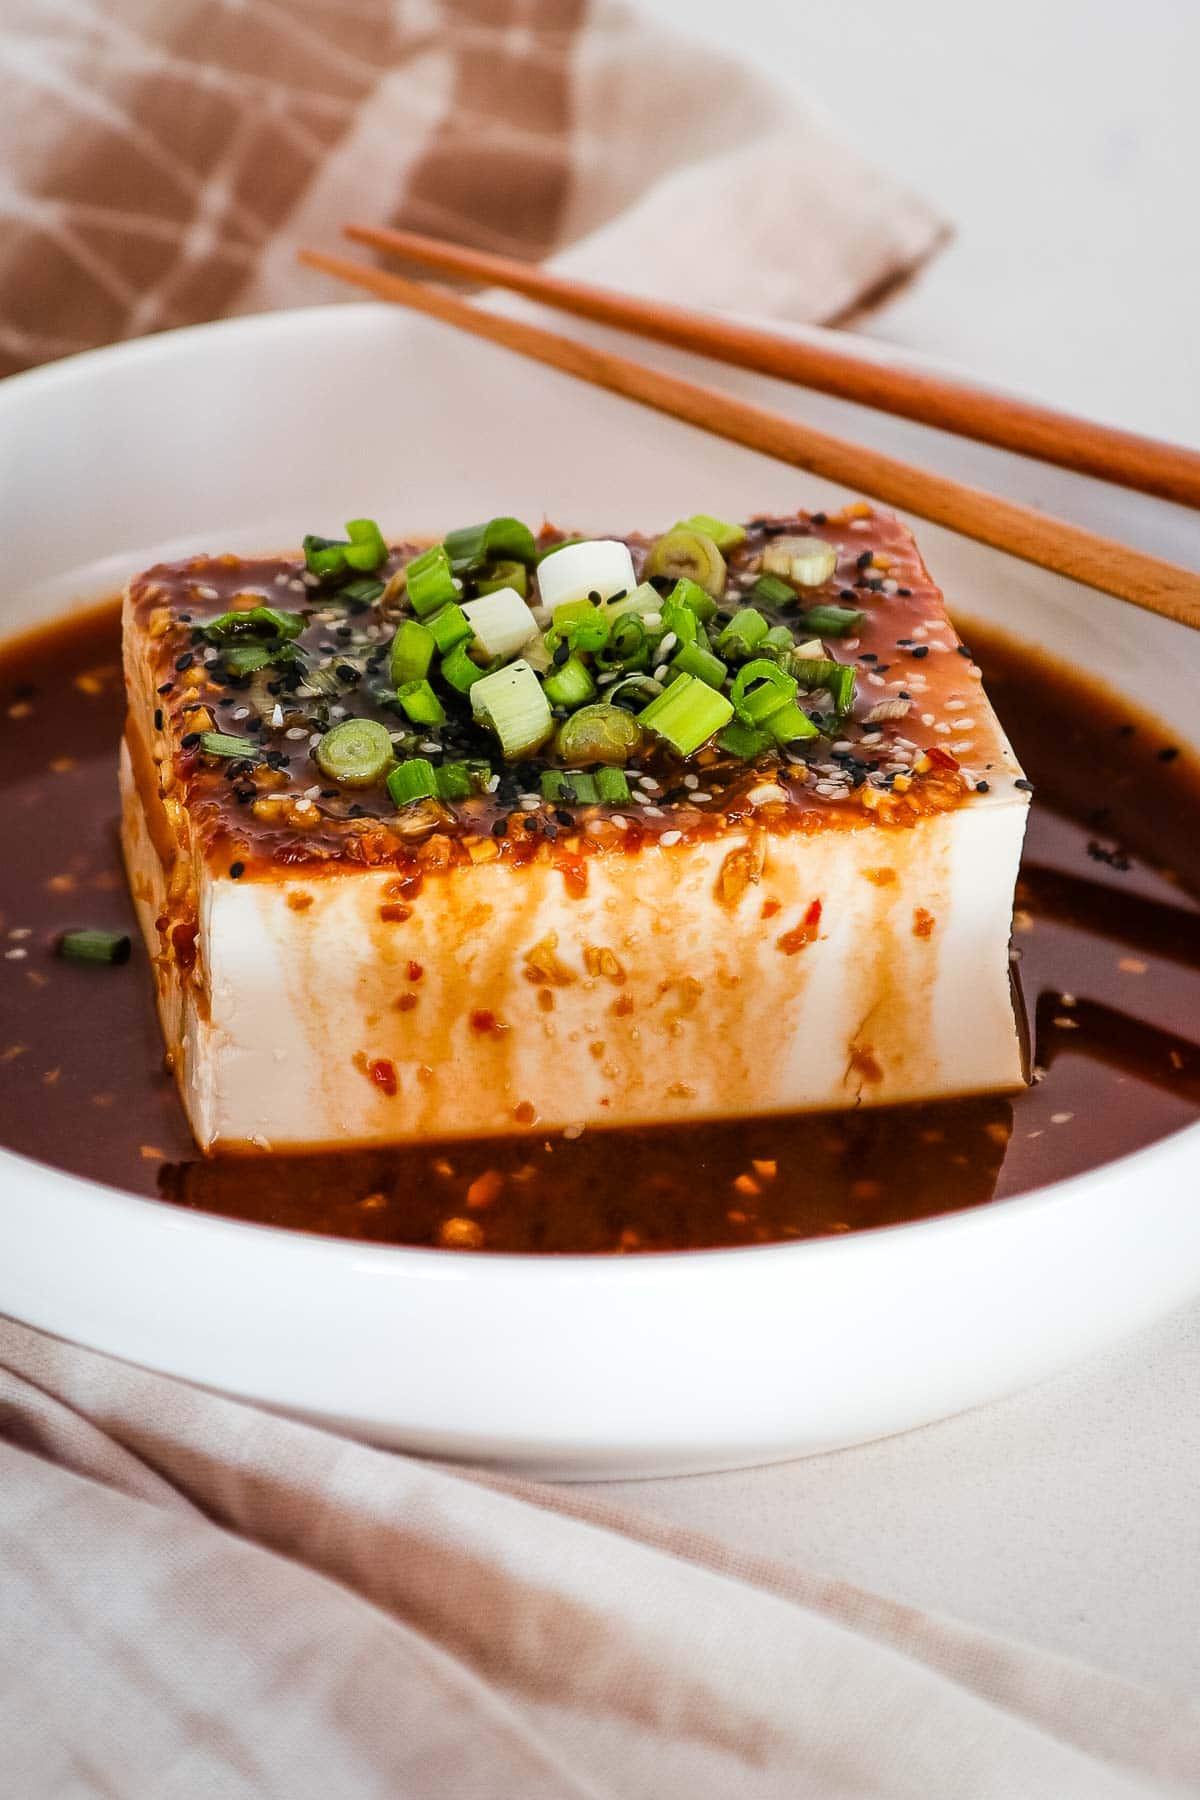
236 871
882 668
1169 754
330 793
903 695
594 596
847 594
550 828
345 631
244 795
563 817
189 740
868 656
820 519
919 650
500 828
158 718
562 652
963 651
529 824
904 593
865 560
982 787
347 672
184 662
356 811
1026 787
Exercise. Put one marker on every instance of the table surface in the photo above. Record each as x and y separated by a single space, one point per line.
1063 140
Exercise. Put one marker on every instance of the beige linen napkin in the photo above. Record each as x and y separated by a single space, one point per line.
160 160
199 1599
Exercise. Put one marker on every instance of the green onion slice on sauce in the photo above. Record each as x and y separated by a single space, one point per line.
94 946
356 753
599 734
226 743
497 540
258 622
415 779
429 581
570 684
412 652
512 701
687 714
421 704
724 534
831 621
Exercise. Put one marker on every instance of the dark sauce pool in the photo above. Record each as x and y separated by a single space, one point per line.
1107 935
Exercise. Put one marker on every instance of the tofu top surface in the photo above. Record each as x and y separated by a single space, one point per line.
918 737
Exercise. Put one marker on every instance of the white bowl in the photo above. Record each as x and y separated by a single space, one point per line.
250 432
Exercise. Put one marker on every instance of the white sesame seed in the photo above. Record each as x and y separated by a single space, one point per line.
660 674
621 824
654 812
668 644
312 793
529 803
277 716
699 797
20 932
298 586
651 621
691 781
876 681
431 746
670 837
314 738
308 580
648 782
16 955
573 1131
605 680
942 728
842 744
207 593
335 712
296 732
963 724
282 579
493 783
1061 1118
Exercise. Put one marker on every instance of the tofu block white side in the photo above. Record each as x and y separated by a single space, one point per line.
665 1002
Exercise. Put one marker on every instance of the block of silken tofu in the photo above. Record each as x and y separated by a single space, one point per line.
469 919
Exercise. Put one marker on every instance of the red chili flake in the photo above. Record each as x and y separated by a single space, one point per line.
391 914
383 1073
574 874
524 1113
770 908
183 942
406 1002
415 971
484 1021
940 758
923 923
804 933
863 1062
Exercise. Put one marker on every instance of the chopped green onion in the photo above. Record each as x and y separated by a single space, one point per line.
687 714
421 704
94 946
450 626
743 741
494 541
324 556
454 781
634 692
361 593
415 779
808 561
684 552
356 753
831 621
746 629
681 620
247 659
642 599
569 684
789 723
774 592
760 689
584 626
778 638
599 734
724 535
366 549
693 660
503 575
821 672
412 652
429 581
611 787
512 701
225 743
259 622
602 567
460 671
501 621
628 644
574 789
690 594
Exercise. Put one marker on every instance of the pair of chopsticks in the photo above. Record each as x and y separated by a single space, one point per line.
1121 457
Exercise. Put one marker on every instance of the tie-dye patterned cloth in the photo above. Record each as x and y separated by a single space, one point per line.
160 160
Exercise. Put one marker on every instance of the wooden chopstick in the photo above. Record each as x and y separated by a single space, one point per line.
1169 470
1146 581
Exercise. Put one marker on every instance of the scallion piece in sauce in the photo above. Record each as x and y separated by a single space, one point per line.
503 575
773 590
788 724
820 672
498 540
258 622
760 689
512 701
356 753
94 946
454 781
323 556
459 671
421 703
612 787
692 595
429 581
412 652
450 626
746 629
687 714
691 659
743 741
415 779
724 535
569 788
225 743
831 621
599 734
361 593
366 549
570 685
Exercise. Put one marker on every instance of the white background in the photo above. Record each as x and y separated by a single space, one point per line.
1063 141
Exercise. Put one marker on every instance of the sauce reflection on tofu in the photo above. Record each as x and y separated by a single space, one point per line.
1107 932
